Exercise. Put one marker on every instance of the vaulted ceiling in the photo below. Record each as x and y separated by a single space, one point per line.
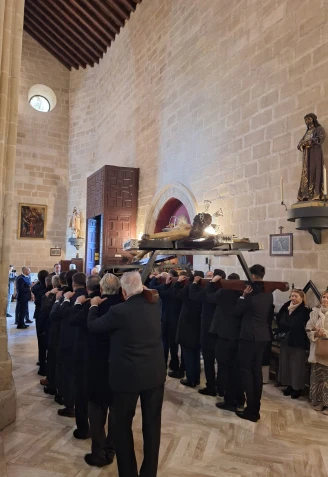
76 32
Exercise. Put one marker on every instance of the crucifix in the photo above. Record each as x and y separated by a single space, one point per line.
280 228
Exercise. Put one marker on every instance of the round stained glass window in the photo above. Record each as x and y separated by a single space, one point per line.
40 103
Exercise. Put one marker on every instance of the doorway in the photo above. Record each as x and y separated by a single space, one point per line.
94 243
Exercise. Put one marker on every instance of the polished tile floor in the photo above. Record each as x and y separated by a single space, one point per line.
291 440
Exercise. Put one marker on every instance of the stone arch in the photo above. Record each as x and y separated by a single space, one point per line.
174 190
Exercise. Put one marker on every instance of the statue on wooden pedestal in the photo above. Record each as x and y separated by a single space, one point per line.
311 186
75 223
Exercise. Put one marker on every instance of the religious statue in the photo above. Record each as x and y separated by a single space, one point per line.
311 186
75 223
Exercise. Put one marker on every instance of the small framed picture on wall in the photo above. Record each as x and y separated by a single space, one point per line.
281 245
55 252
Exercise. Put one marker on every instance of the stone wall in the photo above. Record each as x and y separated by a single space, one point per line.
211 95
42 157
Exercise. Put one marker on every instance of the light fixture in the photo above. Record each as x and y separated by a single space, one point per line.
210 230
218 213
207 204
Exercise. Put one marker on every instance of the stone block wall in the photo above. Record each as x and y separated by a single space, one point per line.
42 157
212 95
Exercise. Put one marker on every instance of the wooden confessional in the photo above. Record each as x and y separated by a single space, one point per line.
112 202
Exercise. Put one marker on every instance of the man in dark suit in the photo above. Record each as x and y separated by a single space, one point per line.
67 347
254 308
136 369
23 287
57 269
207 340
226 327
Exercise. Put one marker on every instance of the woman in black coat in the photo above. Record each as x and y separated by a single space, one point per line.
291 320
188 331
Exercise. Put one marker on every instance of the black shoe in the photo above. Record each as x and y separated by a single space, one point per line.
9 316
185 382
81 435
288 391
66 412
95 461
248 417
295 394
59 399
50 391
28 321
38 363
22 327
226 407
176 374
207 392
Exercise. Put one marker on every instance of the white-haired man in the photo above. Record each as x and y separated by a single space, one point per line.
136 369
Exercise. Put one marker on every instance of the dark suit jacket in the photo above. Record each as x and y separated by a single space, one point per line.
136 358
225 324
98 367
68 333
188 333
23 287
197 293
256 313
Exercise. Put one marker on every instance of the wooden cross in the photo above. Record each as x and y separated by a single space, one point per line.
280 228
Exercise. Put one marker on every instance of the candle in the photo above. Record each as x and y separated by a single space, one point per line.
281 189
324 181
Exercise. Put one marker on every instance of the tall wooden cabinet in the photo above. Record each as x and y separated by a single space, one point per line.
112 202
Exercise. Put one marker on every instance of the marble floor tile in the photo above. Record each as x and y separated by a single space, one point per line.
198 440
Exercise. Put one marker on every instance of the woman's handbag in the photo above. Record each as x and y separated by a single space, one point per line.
281 336
321 348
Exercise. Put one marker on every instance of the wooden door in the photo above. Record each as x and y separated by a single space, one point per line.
121 202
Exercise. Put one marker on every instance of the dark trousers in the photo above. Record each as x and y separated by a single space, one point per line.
52 367
22 312
124 406
227 357
191 358
43 345
209 368
102 445
81 397
66 376
251 358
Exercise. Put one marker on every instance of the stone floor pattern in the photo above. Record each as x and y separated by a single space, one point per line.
291 440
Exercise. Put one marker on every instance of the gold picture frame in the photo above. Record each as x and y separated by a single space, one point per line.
32 221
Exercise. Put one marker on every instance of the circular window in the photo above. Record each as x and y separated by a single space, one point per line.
40 103
42 98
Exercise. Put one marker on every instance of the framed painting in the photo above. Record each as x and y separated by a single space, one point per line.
55 252
32 221
281 245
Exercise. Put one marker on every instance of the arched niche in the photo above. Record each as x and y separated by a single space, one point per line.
177 191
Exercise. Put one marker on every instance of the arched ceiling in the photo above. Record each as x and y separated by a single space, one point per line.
76 32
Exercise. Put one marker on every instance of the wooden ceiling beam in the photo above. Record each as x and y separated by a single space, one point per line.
104 6
129 5
70 26
49 39
102 17
98 27
43 43
119 10
57 39
84 55
70 15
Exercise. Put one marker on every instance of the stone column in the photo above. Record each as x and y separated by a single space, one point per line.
11 34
